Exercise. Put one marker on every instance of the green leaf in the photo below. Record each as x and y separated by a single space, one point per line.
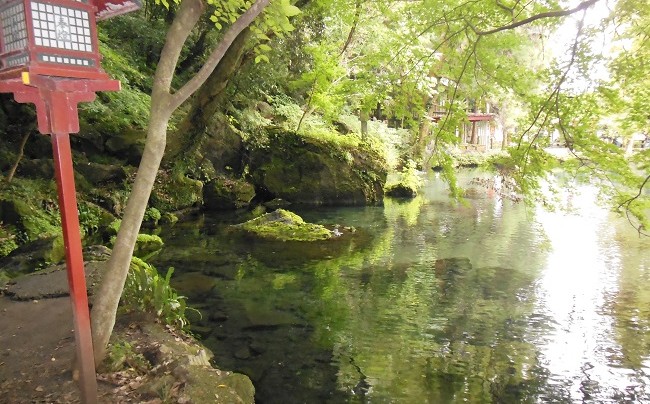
259 58
263 36
290 10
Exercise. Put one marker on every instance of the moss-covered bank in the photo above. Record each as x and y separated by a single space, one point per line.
317 171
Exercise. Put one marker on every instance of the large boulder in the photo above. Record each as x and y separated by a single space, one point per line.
222 193
36 168
340 170
221 146
30 218
175 192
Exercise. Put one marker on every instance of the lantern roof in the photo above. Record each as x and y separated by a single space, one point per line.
111 8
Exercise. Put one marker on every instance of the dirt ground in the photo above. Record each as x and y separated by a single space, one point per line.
36 352
37 347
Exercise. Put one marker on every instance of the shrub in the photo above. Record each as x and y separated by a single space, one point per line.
121 355
146 290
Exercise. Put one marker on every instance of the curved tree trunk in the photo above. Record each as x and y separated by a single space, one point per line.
163 104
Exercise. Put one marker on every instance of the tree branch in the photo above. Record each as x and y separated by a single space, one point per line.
550 14
188 15
235 29
355 22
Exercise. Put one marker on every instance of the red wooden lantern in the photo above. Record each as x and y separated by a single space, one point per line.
53 38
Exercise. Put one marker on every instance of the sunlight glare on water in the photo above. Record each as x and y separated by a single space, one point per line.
575 290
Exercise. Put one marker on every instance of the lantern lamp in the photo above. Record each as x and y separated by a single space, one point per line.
54 37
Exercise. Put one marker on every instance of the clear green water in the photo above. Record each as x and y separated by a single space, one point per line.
429 302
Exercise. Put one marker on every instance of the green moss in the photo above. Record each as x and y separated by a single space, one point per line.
152 215
169 218
147 245
114 227
30 205
283 225
7 241
57 252
173 192
318 171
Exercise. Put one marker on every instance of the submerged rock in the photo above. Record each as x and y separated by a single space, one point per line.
283 225
194 284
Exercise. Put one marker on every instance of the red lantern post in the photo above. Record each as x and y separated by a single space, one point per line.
49 56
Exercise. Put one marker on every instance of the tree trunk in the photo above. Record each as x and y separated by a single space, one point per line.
209 99
363 118
425 130
473 139
21 151
163 104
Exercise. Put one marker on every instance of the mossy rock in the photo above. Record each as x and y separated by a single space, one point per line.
29 209
27 258
178 360
101 173
36 168
128 144
222 146
308 170
31 220
110 198
173 192
147 245
195 285
401 190
283 225
223 193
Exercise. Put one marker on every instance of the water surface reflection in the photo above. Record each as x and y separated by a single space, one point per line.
431 301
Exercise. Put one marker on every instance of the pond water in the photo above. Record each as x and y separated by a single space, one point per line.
430 301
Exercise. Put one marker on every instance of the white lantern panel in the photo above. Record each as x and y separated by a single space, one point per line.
14 29
16 60
61 27
66 60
